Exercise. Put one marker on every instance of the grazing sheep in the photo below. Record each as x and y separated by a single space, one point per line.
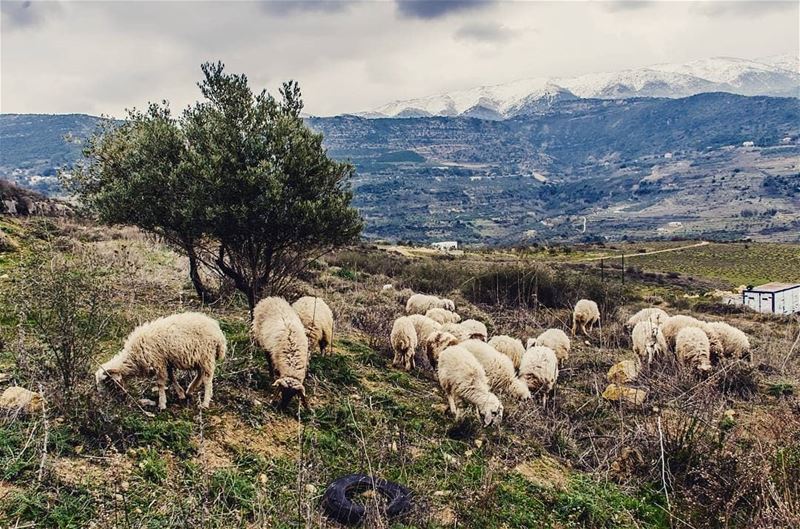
499 369
461 333
557 340
317 319
476 329
585 313
278 330
421 303
511 347
674 324
652 314
437 342
463 379
404 342
424 328
443 316
692 347
648 340
539 370
735 343
190 341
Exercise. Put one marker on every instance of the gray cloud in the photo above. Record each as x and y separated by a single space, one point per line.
291 7
25 14
429 9
742 8
485 32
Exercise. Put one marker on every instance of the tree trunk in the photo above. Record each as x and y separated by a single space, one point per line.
205 295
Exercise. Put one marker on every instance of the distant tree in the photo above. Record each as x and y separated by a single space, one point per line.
238 182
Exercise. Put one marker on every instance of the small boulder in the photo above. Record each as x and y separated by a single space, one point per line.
17 399
616 393
623 372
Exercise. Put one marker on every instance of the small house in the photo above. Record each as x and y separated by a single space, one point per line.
445 246
777 298
748 144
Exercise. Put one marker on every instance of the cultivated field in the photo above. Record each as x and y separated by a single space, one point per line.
681 459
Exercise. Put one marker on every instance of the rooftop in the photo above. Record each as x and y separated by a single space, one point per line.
775 287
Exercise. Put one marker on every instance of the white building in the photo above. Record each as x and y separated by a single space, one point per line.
778 298
445 246
748 144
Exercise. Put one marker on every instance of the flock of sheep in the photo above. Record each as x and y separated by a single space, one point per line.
472 369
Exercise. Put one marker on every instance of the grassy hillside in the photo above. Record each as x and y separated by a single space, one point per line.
583 462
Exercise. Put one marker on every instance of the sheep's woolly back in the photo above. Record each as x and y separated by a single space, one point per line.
586 311
539 368
404 342
648 340
692 347
461 375
499 369
422 303
735 343
317 319
674 324
424 327
511 347
651 314
461 333
437 342
557 340
442 316
278 330
189 340
476 329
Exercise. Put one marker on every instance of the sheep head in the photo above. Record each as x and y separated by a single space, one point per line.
491 412
289 387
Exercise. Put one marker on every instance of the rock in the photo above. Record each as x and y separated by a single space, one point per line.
17 399
311 489
621 393
623 372
544 472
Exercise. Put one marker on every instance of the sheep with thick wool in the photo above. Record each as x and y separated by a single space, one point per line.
442 316
424 328
190 341
692 348
422 303
317 318
555 339
437 342
511 347
585 313
404 342
278 330
499 369
735 343
463 379
539 370
674 324
652 314
476 329
648 341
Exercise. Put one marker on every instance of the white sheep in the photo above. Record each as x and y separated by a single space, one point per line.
278 330
317 319
443 316
421 303
461 333
190 341
437 342
692 347
404 342
585 313
674 324
511 347
499 369
424 328
476 329
539 370
648 340
652 314
463 379
735 343
557 340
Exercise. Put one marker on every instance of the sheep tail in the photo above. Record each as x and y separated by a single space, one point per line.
221 349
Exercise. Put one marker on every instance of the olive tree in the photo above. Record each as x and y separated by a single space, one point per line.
238 182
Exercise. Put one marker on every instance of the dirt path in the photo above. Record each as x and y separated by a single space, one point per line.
619 256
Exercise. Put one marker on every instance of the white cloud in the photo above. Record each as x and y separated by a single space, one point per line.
103 57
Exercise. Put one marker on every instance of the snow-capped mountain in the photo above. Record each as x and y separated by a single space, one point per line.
774 76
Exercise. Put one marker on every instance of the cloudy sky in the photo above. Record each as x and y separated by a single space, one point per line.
103 57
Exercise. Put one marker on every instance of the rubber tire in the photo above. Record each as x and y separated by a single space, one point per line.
339 507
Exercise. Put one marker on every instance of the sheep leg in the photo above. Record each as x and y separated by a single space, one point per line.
453 409
161 384
198 378
574 326
173 381
208 388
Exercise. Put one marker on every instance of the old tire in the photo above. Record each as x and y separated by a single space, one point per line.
338 505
